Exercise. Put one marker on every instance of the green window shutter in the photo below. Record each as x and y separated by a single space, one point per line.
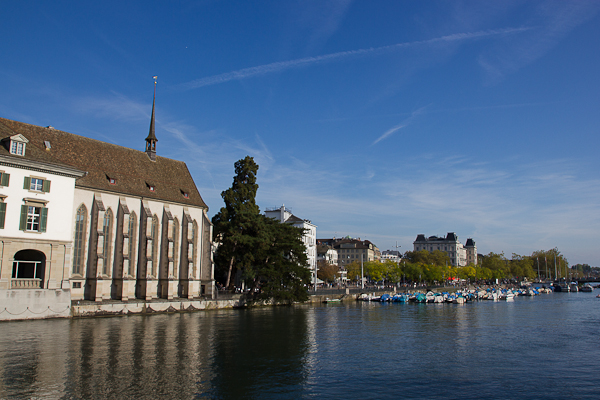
46 186
2 214
43 219
23 223
27 183
4 179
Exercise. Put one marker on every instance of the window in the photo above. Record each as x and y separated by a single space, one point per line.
195 251
33 218
4 178
79 242
2 214
17 145
36 184
154 235
17 148
131 250
175 245
106 230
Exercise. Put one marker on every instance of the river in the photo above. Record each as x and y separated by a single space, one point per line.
547 346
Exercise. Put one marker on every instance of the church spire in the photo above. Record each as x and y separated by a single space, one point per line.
151 139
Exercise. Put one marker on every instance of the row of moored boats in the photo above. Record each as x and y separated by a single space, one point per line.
458 297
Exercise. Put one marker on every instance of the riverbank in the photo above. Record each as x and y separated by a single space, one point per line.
86 308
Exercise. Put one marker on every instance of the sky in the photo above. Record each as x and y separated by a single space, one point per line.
374 119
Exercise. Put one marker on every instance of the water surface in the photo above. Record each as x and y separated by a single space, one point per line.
547 346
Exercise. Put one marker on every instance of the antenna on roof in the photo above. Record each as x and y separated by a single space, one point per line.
151 139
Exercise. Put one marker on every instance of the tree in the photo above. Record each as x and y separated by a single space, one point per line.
327 272
354 271
268 255
280 271
235 225
551 263
497 264
522 267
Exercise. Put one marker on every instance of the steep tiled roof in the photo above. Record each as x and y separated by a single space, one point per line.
132 170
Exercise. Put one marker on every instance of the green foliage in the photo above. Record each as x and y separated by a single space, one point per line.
281 269
266 254
437 257
235 225
353 271
551 263
522 267
327 272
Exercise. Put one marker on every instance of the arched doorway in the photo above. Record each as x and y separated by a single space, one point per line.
29 269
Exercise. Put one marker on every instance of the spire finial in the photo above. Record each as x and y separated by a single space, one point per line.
151 139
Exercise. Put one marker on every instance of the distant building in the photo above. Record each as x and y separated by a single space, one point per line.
391 255
350 250
284 215
327 253
459 255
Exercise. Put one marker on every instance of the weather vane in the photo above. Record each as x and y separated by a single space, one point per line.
155 78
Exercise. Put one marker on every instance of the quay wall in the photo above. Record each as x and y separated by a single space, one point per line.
43 304
19 304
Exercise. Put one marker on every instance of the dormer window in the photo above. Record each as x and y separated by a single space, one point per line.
112 181
17 145
152 188
185 194
17 148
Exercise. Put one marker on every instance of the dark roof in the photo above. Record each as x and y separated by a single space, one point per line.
470 243
293 218
133 170
322 249
451 236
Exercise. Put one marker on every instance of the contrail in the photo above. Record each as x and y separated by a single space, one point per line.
301 62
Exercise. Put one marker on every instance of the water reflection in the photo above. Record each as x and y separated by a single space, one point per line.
261 353
221 354
533 348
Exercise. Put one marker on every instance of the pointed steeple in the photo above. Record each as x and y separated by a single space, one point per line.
151 139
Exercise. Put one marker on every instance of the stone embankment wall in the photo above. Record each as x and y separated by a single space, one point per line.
91 309
34 304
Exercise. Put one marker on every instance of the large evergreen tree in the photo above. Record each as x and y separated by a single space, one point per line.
269 256
236 224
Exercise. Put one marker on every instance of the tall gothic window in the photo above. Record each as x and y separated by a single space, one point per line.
107 230
154 234
175 245
195 244
79 242
132 236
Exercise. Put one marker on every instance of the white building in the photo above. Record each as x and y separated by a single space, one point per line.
459 255
328 254
391 255
282 214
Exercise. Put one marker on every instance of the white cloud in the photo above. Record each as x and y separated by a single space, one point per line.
307 61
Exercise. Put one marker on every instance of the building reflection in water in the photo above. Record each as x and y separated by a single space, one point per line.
228 354
261 353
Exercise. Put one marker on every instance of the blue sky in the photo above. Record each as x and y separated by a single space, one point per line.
374 119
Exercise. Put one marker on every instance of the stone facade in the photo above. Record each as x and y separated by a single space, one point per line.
82 219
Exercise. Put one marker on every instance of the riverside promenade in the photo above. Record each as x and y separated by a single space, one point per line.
223 300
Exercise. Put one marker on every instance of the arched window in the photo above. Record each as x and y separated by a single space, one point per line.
107 230
154 235
195 247
132 247
79 242
175 245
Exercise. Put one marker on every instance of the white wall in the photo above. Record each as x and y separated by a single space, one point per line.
60 198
